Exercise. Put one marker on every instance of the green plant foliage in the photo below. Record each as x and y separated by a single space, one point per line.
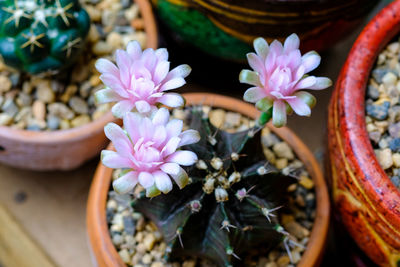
42 35
227 209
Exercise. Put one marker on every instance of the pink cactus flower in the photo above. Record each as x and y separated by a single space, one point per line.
147 149
279 75
140 80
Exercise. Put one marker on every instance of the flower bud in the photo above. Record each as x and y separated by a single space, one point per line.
221 195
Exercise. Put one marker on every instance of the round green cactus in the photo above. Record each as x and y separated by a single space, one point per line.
42 35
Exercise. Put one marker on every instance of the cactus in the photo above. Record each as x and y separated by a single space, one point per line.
42 35
228 206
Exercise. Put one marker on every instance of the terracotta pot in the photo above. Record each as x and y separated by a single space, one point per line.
64 149
365 198
226 28
99 237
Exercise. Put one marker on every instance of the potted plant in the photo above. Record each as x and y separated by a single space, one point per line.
366 199
48 48
232 26
225 200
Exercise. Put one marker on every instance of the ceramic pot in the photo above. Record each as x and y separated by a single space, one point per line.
64 149
226 28
100 241
365 198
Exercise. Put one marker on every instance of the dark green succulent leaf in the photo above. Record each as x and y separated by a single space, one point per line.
206 239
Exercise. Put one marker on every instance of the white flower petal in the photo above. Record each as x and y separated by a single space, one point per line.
171 146
146 179
106 66
174 127
121 108
172 100
310 61
161 72
250 77
299 106
279 113
172 84
126 183
181 178
161 117
306 83
180 71
134 50
254 94
183 157
112 159
170 168
106 95
120 140
189 137
132 120
321 83
163 182
291 43
261 47
142 106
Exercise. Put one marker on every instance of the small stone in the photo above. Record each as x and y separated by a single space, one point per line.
23 115
395 145
269 139
102 48
283 261
124 254
117 239
270 156
296 257
79 105
306 182
189 263
157 264
379 73
24 100
84 89
53 122
217 117
389 79
373 92
95 80
140 224
395 180
384 143
132 12
5 119
385 158
396 159
94 35
5 84
394 47
283 150
69 92
114 40
65 124
80 73
394 130
44 93
60 110
129 225
147 258
378 112
232 119
138 24
149 241
281 163
39 110
10 108
94 13
27 87
271 264
297 230
375 136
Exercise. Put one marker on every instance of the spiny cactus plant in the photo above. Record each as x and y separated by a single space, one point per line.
228 206
227 196
42 35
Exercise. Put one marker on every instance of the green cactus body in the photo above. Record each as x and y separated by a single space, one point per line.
228 206
42 35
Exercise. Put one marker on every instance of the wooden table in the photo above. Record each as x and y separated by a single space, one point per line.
42 214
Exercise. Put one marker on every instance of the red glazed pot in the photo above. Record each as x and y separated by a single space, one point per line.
365 198
64 149
104 250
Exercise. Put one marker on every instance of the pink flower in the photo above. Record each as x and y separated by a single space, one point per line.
147 149
279 75
140 80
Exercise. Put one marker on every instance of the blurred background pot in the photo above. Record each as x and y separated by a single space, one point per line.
226 28
64 149
104 251
367 202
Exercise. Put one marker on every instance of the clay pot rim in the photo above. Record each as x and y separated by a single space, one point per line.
81 132
100 240
351 85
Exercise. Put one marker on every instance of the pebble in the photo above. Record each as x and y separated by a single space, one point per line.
60 110
389 79
5 84
283 261
217 117
24 100
378 112
53 122
283 150
124 254
79 105
394 130
9 107
281 163
385 158
395 145
44 93
114 40
395 180
39 110
232 119
80 120
5 119
102 48
297 230
306 182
